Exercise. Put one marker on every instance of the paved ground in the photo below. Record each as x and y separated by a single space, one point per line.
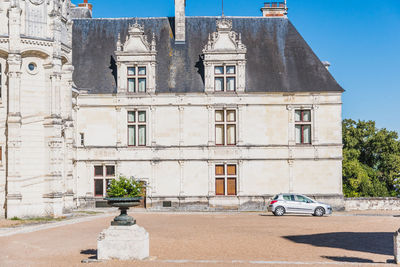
208 239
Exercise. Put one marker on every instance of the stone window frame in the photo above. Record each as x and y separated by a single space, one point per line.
302 123
225 124
137 124
226 177
104 177
292 123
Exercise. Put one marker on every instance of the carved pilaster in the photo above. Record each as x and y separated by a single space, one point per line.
181 125
153 179
211 136
181 177
14 126
291 126
291 178
240 184
315 125
211 180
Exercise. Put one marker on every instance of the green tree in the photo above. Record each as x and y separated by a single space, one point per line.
371 160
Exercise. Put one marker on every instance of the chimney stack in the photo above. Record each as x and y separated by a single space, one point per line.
273 9
86 4
180 22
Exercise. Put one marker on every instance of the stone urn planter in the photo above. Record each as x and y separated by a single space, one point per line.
123 203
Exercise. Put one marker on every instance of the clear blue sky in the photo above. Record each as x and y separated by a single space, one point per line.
361 38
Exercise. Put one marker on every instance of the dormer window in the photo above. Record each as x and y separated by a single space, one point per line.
225 78
225 60
136 79
136 61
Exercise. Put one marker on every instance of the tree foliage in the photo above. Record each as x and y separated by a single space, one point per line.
371 160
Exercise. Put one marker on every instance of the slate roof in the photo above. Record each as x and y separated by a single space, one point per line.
278 58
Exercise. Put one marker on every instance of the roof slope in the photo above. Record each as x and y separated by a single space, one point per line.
278 58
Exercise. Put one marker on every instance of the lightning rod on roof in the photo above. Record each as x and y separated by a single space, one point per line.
222 8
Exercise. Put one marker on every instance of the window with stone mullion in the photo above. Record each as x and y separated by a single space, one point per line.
225 127
103 175
303 126
137 81
137 128
225 78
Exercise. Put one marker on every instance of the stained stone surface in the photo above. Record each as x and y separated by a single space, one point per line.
123 243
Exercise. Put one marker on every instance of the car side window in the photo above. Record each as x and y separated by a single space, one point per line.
292 198
286 197
301 199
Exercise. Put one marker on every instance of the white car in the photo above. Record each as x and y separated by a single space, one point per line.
296 203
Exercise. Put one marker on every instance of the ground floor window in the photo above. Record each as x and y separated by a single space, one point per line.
225 179
103 175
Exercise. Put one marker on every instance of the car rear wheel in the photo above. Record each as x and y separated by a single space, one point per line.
319 211
279 211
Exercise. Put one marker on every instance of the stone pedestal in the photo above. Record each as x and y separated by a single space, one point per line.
396 239
123 243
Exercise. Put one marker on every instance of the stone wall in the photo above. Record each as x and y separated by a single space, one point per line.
376 203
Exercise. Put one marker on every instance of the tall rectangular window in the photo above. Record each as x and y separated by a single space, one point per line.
303 126
225 78
225 127
103 175
137 79
226 179
137 128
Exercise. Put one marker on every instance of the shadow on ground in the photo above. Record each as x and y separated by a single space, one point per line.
92 252
348 259
375 242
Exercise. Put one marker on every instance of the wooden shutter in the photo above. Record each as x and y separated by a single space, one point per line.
231 186
231 169
220 186
219 170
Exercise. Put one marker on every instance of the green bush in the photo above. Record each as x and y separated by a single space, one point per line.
125 187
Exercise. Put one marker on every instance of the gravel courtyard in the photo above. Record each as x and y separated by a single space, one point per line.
218 239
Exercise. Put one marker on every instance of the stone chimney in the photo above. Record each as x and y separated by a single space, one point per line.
273 9
180 22
86 4
82 11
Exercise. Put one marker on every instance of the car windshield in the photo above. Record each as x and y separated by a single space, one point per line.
276 197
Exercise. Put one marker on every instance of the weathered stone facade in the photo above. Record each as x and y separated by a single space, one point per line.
222 115
36 65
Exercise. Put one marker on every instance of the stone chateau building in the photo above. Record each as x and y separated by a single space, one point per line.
209 112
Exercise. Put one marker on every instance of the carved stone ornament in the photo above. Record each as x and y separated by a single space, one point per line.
137 41
37 2
224 39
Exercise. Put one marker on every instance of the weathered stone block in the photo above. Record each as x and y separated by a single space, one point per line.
123 243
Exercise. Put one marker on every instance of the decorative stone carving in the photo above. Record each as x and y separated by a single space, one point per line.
136 51
224 39
225 47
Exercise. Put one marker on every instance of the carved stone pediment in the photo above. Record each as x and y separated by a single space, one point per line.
136 52
137 42
224 39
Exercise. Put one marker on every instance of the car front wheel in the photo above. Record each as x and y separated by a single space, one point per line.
279 211
319 211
